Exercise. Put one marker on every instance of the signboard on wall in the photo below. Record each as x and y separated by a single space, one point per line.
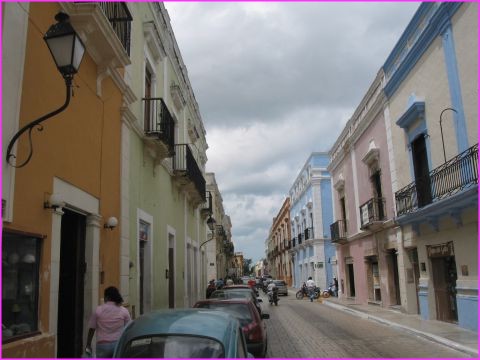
440 250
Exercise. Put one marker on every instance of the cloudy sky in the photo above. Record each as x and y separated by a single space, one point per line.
275 82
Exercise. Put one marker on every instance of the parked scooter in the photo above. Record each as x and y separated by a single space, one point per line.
329 292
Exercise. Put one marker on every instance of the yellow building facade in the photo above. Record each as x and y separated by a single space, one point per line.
56 260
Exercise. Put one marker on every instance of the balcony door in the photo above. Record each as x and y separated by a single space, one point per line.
421 170
377 194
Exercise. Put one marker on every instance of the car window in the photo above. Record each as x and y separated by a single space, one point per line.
240 311
279 282
173 346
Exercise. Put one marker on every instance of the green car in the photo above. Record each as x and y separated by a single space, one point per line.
183 333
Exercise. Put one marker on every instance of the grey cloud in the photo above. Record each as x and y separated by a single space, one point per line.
274 82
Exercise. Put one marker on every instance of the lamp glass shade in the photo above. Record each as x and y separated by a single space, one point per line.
112 222
55 200
65 46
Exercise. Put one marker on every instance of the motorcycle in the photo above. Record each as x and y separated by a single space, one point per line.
329 292
273 297
304 292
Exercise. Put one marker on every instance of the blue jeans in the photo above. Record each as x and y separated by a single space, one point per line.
311 293
105 350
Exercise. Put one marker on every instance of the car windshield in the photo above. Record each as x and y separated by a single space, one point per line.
173 346
232 294
240 311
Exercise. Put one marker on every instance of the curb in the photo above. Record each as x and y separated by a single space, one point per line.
435 338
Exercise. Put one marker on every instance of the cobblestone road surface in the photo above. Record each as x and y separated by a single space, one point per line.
301 329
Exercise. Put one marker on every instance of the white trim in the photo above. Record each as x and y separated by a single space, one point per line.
87 204
148 274
14 41
355 188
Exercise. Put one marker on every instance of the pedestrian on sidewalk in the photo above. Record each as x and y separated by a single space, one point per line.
108 320
311 288
335 283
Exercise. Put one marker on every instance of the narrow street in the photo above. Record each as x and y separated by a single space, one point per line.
301 329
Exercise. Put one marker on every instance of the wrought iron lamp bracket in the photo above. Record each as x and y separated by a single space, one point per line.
36 123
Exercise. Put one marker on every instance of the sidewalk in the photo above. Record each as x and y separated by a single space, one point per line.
441 332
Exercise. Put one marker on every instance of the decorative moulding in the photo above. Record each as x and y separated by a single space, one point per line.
372 154
339 185
153 41
177 96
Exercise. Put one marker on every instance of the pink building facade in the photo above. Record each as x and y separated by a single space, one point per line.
363 229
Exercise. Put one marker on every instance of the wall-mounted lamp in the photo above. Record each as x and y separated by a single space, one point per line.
53 202
111 223
67 50
211 223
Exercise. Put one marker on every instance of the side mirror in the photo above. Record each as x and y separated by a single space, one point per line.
265 316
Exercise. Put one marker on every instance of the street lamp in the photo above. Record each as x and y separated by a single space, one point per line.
211 225
67 50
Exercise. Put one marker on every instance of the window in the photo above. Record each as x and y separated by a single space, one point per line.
20 278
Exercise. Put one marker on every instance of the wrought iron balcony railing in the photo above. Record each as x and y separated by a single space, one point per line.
300 238
206 208
159 123
120 18
184 164
372 211
338 231
309 233
457 174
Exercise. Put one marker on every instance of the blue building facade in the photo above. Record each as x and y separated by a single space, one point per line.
311 214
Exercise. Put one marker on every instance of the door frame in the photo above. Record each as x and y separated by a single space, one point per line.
89 205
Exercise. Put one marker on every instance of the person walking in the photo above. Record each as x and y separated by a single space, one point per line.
311 288
108 320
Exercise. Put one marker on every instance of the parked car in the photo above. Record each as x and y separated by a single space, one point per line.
183 333
238 292
250 320
281 286
253 288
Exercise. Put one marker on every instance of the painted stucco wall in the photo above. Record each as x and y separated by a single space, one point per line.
81 146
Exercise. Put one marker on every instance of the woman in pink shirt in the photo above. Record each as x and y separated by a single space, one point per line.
108 320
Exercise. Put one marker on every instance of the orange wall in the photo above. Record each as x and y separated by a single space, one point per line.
80 146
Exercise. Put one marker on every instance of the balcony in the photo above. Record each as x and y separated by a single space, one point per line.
188 174
372 214
308 233
447 181
105 28
206 207
338 231
159 128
